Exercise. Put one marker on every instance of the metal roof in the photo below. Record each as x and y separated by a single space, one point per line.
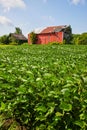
18 36
53 29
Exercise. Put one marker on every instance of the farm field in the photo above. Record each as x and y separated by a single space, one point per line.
43 87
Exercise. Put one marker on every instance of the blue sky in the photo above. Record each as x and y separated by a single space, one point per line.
35 14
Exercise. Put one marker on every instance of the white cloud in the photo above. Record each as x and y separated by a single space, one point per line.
8 4
77 1
5 21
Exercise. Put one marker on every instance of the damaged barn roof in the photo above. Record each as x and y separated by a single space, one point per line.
54 29
18 36
50 29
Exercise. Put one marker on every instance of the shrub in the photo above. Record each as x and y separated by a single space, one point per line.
4 39
54 43
33 38
13 43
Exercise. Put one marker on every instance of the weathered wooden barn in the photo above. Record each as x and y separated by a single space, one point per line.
20 38
52 34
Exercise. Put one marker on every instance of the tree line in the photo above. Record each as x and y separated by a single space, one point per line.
79 39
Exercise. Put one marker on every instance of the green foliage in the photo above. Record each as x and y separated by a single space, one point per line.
54 43
44 87
18 30
33 38
4 39
67 35
80 39
75 38
13 42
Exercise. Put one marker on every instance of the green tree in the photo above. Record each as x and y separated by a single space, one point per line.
75 38
33 37
80 39
18 30
4 39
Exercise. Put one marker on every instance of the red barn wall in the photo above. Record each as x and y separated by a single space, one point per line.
48 37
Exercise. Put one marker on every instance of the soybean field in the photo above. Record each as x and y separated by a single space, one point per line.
43 87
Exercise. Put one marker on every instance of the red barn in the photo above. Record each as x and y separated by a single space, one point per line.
52 34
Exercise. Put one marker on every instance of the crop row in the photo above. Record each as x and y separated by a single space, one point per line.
43 87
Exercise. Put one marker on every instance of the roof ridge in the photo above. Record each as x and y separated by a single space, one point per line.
51 29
